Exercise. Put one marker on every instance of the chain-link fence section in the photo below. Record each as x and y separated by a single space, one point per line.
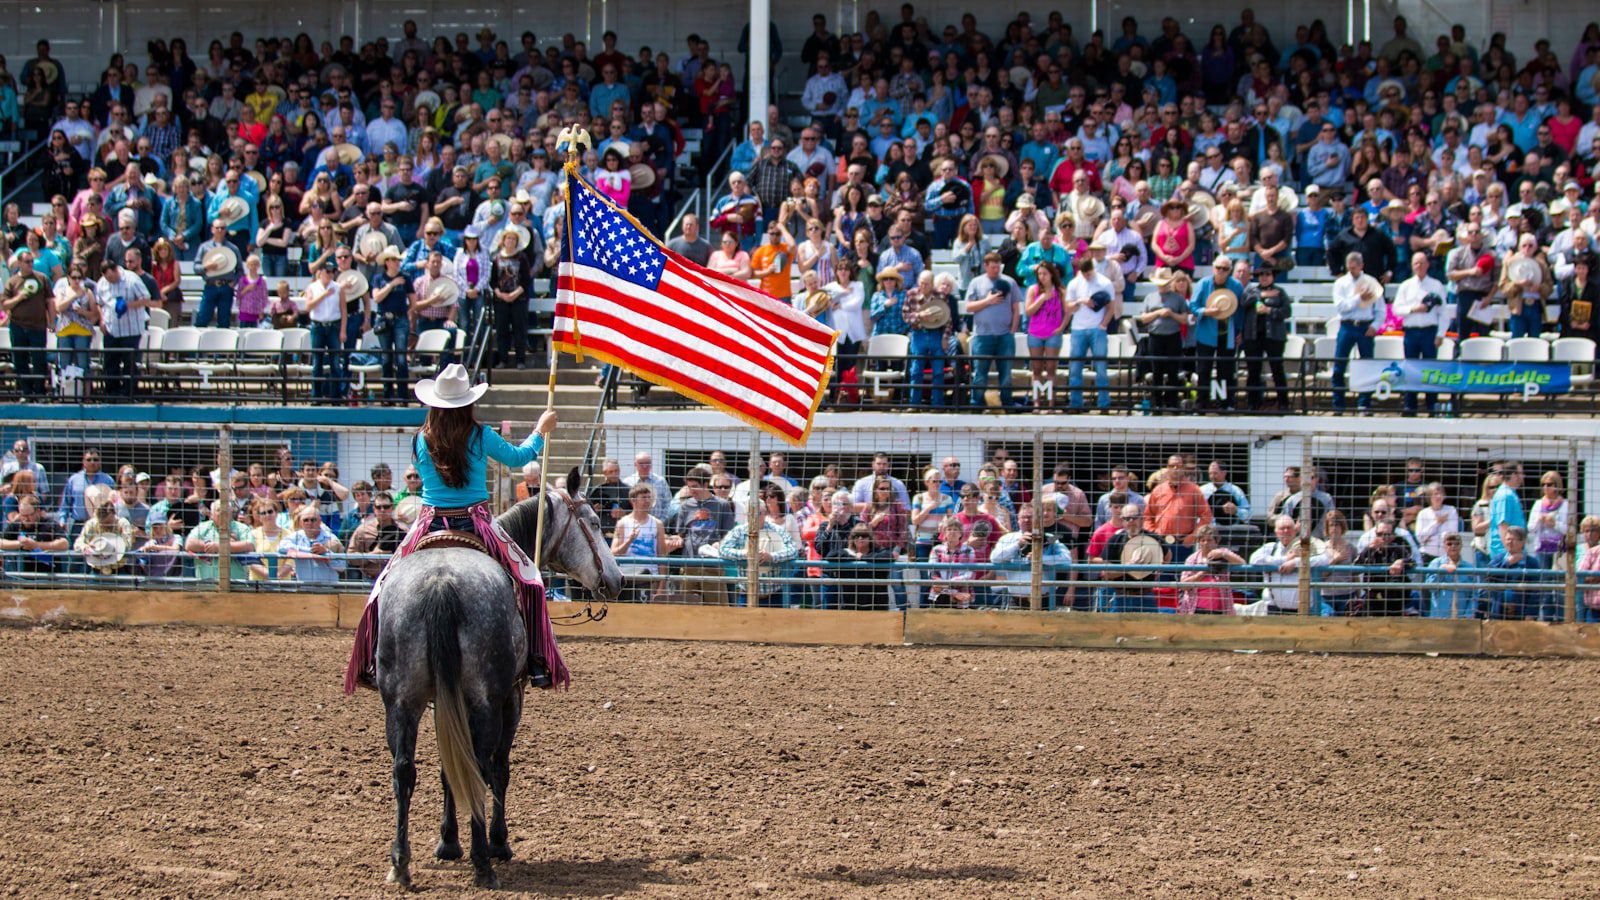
1139 515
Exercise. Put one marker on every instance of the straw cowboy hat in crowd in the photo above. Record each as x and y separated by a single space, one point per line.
372 243
349 154
524 238
219 261
104 551
393 253
501 140
232 210
1221 304
643 175
1142 550
450 390
352 284
443 291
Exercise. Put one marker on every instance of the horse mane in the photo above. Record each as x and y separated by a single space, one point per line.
521 522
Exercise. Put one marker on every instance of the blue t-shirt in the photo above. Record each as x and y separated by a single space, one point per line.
1505 508
485 444
1310 226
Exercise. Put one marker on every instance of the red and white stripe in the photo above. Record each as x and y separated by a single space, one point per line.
704 335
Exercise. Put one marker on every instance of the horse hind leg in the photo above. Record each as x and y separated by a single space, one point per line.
401 729
485 742
449 846
499 846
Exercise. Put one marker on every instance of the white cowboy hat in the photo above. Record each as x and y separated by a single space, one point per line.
219 261
451 390
98 495
426 98
524 238
372 243
104 551
258 178
232 210
443 290
352 284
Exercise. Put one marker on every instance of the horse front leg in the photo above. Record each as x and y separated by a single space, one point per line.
401 728
449 846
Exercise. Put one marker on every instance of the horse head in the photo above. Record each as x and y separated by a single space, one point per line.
573 539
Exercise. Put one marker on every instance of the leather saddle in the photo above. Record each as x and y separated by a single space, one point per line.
439 539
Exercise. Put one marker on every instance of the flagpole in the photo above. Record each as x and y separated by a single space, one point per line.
573 137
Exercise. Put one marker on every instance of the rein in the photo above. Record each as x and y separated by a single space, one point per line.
587 614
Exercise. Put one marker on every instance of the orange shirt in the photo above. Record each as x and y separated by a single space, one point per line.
777 284
1177 510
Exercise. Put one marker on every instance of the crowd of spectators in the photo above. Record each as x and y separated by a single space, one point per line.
422 175
846 534
1398 555
961 189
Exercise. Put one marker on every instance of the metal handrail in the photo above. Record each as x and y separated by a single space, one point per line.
27 155
711 178
688 206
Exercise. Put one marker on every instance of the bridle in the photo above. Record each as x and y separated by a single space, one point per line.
587 614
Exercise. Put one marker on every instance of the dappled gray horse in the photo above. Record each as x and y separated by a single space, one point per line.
449 632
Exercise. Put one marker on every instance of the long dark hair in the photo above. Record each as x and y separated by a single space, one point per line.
449 432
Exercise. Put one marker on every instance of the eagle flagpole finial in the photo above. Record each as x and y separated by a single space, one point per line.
576 139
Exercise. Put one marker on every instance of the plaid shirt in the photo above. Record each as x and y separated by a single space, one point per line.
442 310
769 180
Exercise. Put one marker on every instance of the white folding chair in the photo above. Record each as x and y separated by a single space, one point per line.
159 318
1482 349
1577 352
1389 346
890 348
1528 349
259 352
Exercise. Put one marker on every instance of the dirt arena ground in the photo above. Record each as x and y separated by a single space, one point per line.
181 762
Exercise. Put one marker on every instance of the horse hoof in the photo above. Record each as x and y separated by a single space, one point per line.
487 881
501 852
399 876
447 851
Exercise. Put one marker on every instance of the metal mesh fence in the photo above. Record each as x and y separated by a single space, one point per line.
1141 515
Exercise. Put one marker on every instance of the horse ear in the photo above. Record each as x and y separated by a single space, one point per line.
575 481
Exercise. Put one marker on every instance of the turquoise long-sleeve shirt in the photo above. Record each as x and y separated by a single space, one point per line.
487 443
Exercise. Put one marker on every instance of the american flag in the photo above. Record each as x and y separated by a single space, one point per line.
626 299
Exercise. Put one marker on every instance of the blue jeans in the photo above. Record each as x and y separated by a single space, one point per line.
1529 322
1083 344
73 350
275 266
216 302
1464 326
327 360
395 344
1419 345
927 352
1310 256
28 357
996 350
1351 335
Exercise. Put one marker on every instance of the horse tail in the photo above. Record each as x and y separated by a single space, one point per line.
450 720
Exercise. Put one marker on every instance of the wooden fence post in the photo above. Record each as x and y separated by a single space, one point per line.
1570 589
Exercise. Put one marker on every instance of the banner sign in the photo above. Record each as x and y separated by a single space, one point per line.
1393 376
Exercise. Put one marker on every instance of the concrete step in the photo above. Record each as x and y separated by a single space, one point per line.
565 375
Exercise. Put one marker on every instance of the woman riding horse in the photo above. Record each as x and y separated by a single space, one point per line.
452 451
